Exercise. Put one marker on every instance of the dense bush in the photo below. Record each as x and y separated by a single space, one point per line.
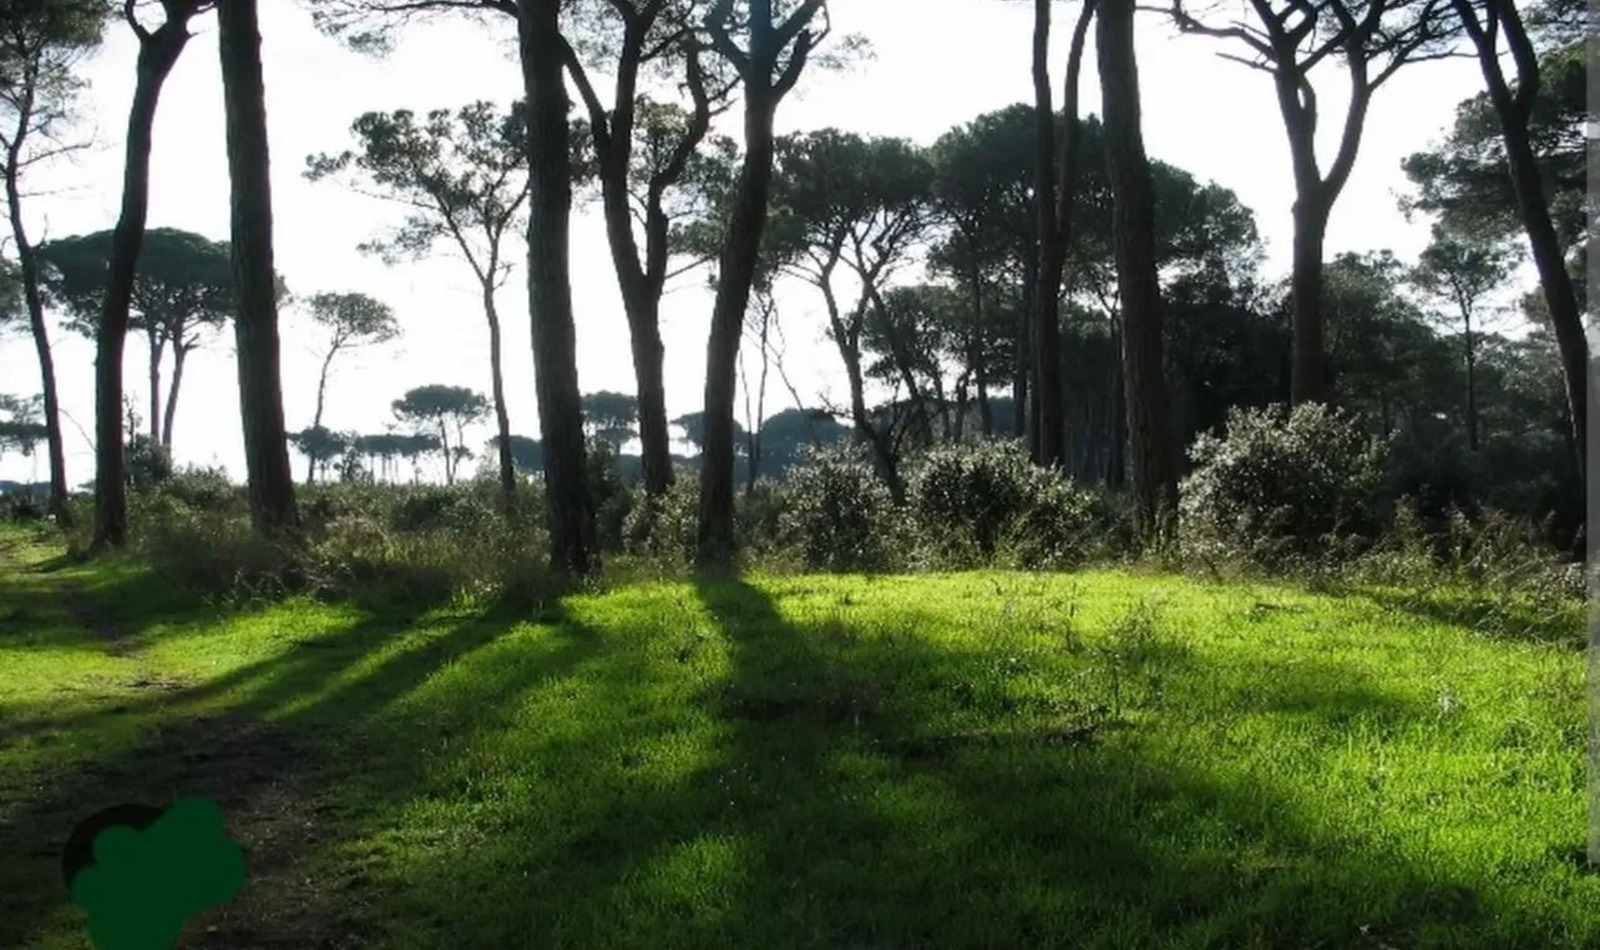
21 506
145 463
203 489
970 494
209 551
1493 572
1064 525
757 516
610 494
986 502
838 514
664 528
1280 484
1488 550
424 508
370 542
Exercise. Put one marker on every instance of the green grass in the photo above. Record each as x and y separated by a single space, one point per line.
1103 759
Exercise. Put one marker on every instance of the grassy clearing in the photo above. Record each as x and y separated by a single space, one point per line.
1104 759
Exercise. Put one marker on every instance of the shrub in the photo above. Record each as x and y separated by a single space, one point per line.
966 498
146 463
429 508
1499 551
664 528
839 514
210 552
22 506
203 489
1281 484
611 496
1063 525
757 517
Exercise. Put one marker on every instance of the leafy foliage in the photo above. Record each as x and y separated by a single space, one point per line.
463 174
612 417
969 494
1463 180
184 282
663 528
445 408
839 515
322 445
353 318
148 463
1278 482
20 425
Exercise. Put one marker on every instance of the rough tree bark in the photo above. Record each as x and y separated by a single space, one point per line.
568 505
159 50
28 262
765 86
642 282
266 447
1054 190
1155 482
1513 109
180 354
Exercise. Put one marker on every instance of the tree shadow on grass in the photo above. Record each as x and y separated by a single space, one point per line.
41 612
584 784
820 796
275 743
1036 837
1488 616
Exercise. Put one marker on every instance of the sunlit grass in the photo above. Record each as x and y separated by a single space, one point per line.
983 759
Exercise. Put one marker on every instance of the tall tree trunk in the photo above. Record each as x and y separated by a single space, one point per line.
1315 194
1155 483
1053 375
866 431
975 348
502 419
316 419
28 261
756 437
158 53
1047 400
1116 472
736 276
180 355
1472 384
157 345
266 449
655 438
568 504
1308 379
641 303
1513 111
962 384
1022 357
753 426
641 283
449 456
847 338
985 413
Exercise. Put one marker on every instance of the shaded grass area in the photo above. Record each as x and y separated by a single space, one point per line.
983 759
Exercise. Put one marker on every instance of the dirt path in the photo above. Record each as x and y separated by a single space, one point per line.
273 784
79 605
118 639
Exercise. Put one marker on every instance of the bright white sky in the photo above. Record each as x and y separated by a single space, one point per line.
1214 118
